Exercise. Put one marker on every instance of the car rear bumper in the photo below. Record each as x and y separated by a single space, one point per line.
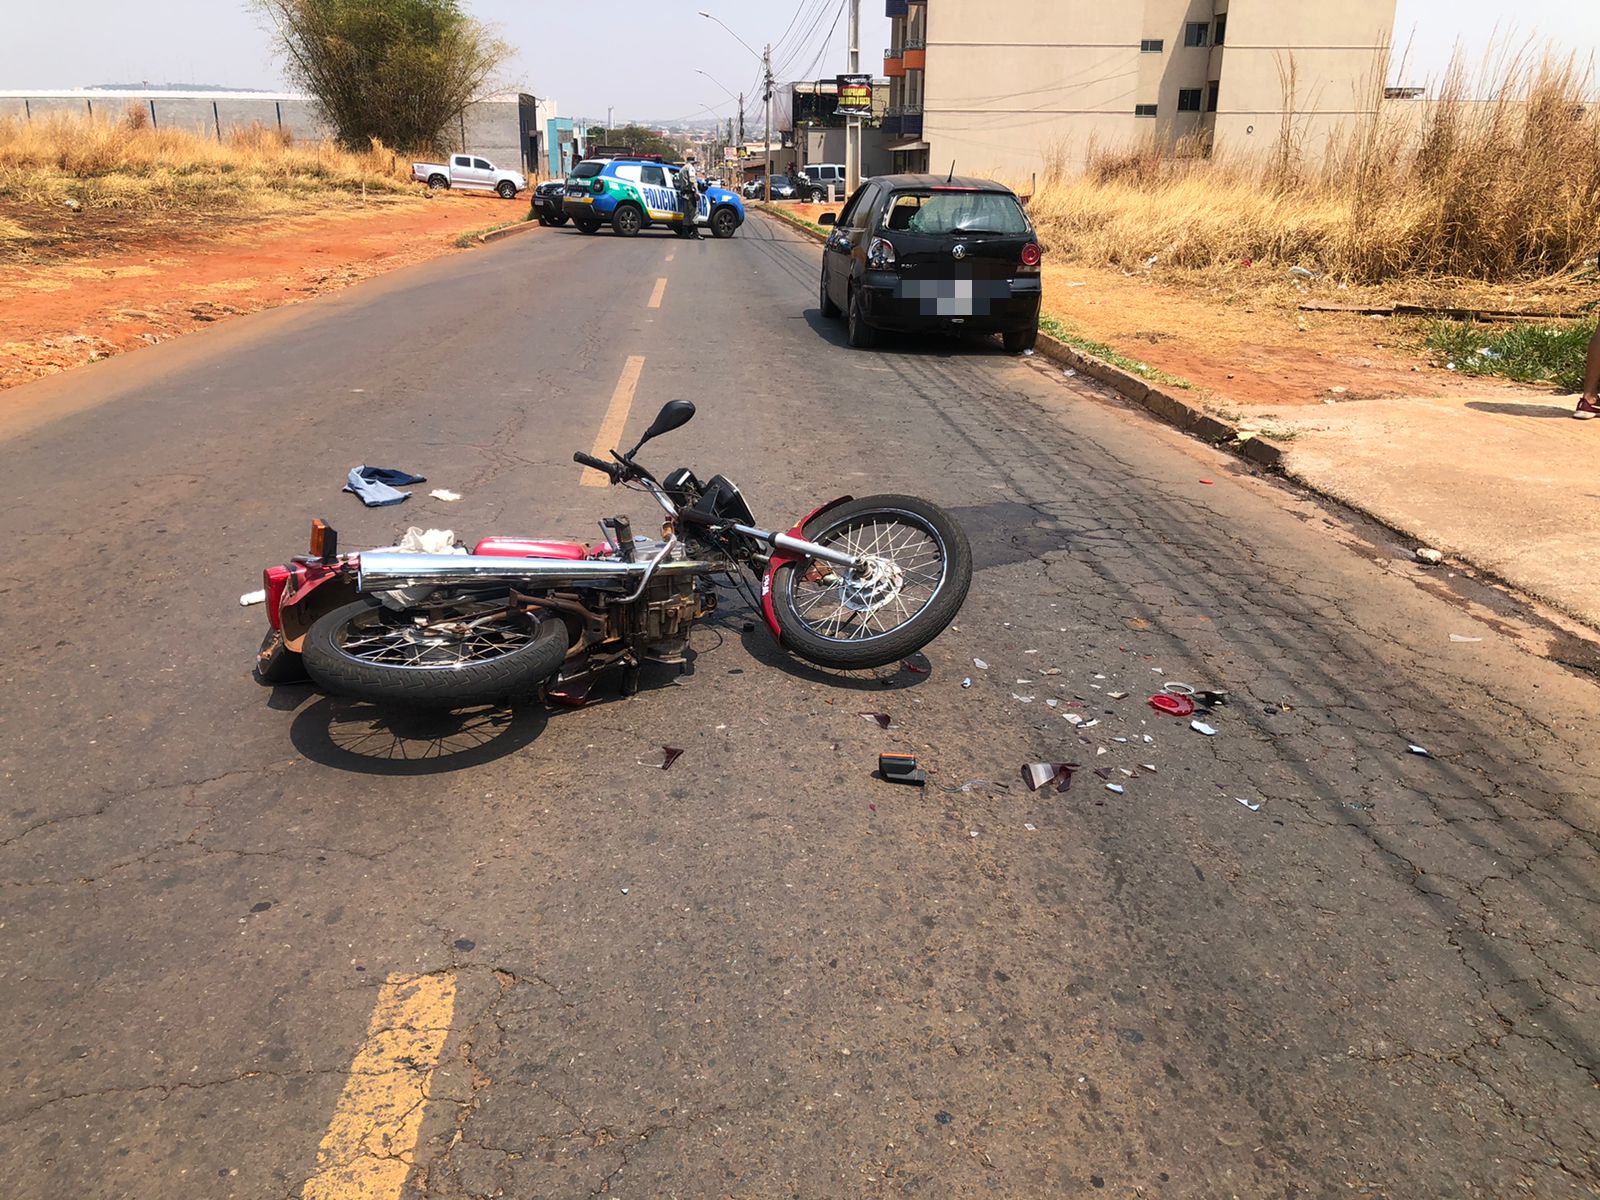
580 206
979 305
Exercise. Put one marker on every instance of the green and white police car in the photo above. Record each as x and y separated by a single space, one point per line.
635 193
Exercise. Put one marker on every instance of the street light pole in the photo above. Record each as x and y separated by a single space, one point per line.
853 125
766 66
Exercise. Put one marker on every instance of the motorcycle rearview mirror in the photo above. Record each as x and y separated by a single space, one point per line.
674 414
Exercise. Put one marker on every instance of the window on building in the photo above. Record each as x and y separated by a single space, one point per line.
1144 110
1188 99
1211 95
1195 33
1152 46
1220 32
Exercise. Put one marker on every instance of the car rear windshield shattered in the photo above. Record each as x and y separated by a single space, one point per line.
935 213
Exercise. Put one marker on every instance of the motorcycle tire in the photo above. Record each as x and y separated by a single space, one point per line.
892 645
512 676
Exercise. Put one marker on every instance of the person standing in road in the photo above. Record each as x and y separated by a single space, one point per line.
1589 403
689 196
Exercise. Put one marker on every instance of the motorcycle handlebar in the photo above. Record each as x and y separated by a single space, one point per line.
599 464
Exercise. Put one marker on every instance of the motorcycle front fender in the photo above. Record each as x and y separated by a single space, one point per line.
783 558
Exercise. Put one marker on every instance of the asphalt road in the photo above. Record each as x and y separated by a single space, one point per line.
266 944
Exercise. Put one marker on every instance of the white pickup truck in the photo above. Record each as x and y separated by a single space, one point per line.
470 173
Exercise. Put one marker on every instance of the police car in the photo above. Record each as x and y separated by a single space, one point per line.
636 193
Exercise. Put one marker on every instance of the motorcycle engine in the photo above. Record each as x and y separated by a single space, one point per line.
669 610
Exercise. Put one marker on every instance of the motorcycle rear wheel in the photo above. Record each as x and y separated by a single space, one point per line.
924 568
463 652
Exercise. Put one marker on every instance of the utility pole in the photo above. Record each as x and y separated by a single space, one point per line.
766 67
853 125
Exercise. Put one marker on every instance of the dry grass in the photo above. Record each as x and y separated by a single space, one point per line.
126 165
1499 190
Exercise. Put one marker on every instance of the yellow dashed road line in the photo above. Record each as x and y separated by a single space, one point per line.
661 290
367 1152
616 420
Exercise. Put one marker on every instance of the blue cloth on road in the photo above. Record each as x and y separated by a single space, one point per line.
377 485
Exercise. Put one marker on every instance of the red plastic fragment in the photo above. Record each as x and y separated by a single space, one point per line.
1173 706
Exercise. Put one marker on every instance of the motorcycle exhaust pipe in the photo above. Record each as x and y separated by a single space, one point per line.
390 571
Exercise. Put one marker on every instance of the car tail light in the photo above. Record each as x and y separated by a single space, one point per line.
1031 254
598 186
880 253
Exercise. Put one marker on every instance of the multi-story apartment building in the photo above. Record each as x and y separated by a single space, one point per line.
1007 88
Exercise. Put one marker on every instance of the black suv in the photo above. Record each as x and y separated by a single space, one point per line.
547 203
926 252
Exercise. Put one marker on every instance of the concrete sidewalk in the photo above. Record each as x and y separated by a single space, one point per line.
1506 480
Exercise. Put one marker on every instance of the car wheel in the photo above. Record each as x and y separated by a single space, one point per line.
559 220
857 332
585 226
723 222
547 222
438 182
1021 340
507 190
627 220
825 303
817 196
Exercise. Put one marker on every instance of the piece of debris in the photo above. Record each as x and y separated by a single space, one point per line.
980 664
1429 555
378 487
1454 637
1116 695
1202 727
1252 807
967 682
1030 827
444 494
250 598
1421 751
1023 699
669 755
1051 671
1039 775
1103 772
1114 787
1178 689
1207 482
1211 698
1052 702
1072 718
1151 767
1173 706
901 768
915 668
882 719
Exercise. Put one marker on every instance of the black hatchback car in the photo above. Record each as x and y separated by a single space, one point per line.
926 252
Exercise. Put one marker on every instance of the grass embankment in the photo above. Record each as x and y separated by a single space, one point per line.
56 169
1458 202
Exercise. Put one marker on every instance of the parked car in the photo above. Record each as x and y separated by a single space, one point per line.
783 188
823 181
926 252
547 198
636 193
470 173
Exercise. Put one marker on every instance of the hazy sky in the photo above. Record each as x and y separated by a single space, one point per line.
589 56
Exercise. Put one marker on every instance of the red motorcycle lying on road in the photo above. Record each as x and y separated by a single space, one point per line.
857 584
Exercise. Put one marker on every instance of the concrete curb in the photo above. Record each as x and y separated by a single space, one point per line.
494 235
788 219
1170 408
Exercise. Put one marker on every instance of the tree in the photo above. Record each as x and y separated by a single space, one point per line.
399 70
639 138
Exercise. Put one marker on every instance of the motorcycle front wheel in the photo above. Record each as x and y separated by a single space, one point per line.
456 653
919 567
